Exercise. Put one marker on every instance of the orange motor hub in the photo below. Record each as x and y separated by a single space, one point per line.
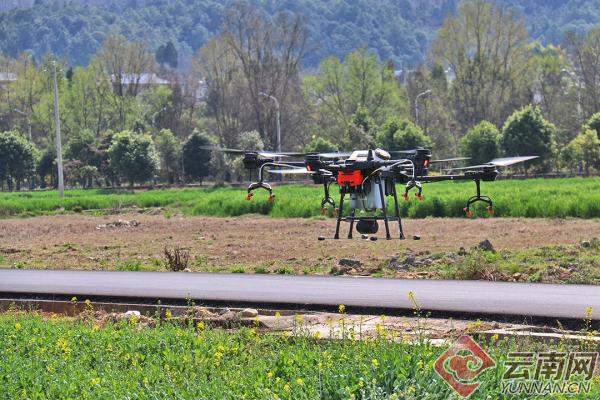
353 179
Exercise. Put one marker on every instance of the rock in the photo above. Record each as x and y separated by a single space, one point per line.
373 238
347 262
364 237
485 245
187 270
203 312
394 264
321 238
248 313
132 313
416 237
462 251
586 244
409 260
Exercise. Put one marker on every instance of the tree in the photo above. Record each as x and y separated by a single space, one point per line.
196 158
17 159
133 157
269 51
167 54
585 50
320 145
527 133
247 141
481 143
124 65
341 89
169 152
486 48
587 146
593 123
401 134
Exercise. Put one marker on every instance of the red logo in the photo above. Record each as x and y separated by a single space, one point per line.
461 364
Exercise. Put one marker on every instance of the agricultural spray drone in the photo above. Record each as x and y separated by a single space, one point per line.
368 177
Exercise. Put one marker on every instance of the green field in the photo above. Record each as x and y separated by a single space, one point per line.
535 198
67 359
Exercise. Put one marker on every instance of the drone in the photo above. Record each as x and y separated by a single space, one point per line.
367 178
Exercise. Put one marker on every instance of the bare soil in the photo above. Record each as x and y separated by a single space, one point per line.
251 243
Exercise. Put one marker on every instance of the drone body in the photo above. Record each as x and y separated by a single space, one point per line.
366 178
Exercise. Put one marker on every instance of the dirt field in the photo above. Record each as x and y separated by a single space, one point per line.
258 244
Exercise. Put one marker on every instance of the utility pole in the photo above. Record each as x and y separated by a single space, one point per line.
278 119
59 159
417 105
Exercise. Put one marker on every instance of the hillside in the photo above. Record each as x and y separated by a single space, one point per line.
399 30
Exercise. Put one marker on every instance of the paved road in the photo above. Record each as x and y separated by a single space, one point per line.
539 300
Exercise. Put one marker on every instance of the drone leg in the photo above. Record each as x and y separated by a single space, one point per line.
351 224
339 216
397 208
384 209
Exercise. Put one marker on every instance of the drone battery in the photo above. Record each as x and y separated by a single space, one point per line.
367 226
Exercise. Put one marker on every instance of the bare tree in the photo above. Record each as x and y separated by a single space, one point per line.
486 48
269 52
585 51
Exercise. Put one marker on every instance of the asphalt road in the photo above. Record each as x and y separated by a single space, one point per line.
526 299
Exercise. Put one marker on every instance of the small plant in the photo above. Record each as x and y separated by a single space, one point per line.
129 265
238 270
176 259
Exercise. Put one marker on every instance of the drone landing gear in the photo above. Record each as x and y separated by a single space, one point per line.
369 224
476 198
260 185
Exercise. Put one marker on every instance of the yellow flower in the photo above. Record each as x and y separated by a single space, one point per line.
95 381
18 326
269 375
200 325
277 314
168 314
299 319
88 302
342 309
299 381
375 362
73 299
286 387
317 334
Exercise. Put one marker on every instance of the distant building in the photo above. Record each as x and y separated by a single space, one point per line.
7 77
143 80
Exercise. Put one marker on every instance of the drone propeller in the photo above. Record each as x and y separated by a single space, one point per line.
292 171
496 162
449 160
271 154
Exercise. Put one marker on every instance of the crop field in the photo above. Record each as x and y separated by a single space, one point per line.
57 357
535 198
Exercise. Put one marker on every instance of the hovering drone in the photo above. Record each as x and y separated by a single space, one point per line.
368 177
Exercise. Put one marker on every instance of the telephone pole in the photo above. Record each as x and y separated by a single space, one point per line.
59 159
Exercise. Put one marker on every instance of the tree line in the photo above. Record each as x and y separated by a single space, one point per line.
486 90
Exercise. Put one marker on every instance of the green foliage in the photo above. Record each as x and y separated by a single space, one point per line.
481 143
196 159
247 141
133 157
527 133
320 145
586 147
401 134
17 157
169 151
593 123
67 358
167 54
554 198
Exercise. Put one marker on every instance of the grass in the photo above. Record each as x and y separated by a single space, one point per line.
66 358
534 198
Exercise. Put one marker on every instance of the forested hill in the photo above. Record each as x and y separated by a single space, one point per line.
398 29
